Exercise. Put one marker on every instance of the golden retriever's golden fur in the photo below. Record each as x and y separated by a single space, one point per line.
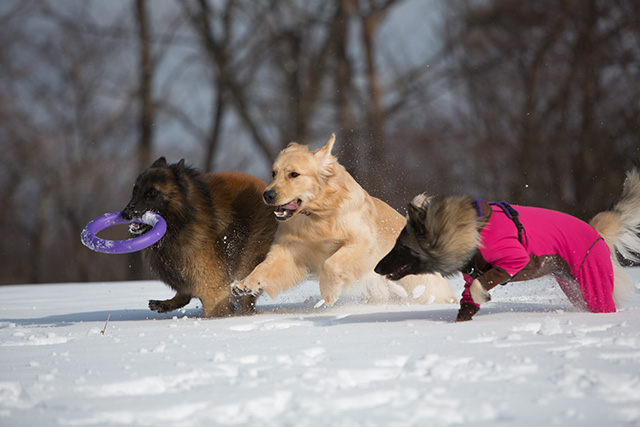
331 228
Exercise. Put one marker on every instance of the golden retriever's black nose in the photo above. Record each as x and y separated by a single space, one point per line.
269 196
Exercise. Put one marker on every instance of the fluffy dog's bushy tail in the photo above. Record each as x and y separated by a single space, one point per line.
620 228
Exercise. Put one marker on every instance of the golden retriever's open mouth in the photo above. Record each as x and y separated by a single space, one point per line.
284 212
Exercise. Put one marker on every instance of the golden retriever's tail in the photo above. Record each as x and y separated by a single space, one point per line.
620 228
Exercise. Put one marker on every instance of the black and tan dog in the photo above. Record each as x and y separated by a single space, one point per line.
218 230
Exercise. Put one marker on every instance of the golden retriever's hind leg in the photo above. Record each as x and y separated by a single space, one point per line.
330 292
375 289
332 282
349 264
428 289
178 301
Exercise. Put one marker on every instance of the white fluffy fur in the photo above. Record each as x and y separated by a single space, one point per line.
421 201
479 294
620 228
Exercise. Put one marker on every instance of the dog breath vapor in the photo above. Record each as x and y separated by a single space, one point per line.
528 358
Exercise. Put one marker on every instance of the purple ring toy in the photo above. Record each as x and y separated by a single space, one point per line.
90 240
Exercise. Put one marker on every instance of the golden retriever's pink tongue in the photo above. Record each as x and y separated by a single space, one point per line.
292 206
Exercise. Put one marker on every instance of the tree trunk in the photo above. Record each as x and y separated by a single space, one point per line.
146 77
375 183
146 112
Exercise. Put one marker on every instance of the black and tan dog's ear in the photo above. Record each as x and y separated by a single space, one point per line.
418 207
416 218
180 169
160 163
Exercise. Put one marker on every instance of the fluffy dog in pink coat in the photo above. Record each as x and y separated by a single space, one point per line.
496 243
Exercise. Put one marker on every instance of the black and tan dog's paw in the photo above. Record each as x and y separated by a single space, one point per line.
159 306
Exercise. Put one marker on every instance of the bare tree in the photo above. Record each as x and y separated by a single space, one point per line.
146 71
61 125
371 14
547 85
294 48
533 102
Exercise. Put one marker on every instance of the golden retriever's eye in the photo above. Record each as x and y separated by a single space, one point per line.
294 175
273 174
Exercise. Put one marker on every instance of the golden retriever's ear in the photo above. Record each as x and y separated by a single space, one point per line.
330 142
327 159
326 148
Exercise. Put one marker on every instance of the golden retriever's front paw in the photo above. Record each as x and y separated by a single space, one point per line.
242 288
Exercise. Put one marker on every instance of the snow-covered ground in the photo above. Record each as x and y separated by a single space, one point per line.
527 359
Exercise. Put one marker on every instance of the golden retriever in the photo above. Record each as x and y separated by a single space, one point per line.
332 229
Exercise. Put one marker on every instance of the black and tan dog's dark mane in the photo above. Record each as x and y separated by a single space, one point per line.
441 236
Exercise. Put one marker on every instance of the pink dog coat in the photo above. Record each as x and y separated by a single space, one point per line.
552 243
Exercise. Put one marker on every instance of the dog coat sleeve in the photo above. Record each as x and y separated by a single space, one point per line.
494 277
500 248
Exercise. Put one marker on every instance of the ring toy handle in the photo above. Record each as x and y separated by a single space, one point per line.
93 242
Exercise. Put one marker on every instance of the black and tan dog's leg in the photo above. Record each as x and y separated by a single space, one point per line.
178 301
217 302
243 304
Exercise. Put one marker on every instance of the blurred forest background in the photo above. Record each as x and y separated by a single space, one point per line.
535 102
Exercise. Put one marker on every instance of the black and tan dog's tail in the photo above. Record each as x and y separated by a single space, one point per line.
620 228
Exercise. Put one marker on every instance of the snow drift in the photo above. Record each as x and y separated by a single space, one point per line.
528 358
